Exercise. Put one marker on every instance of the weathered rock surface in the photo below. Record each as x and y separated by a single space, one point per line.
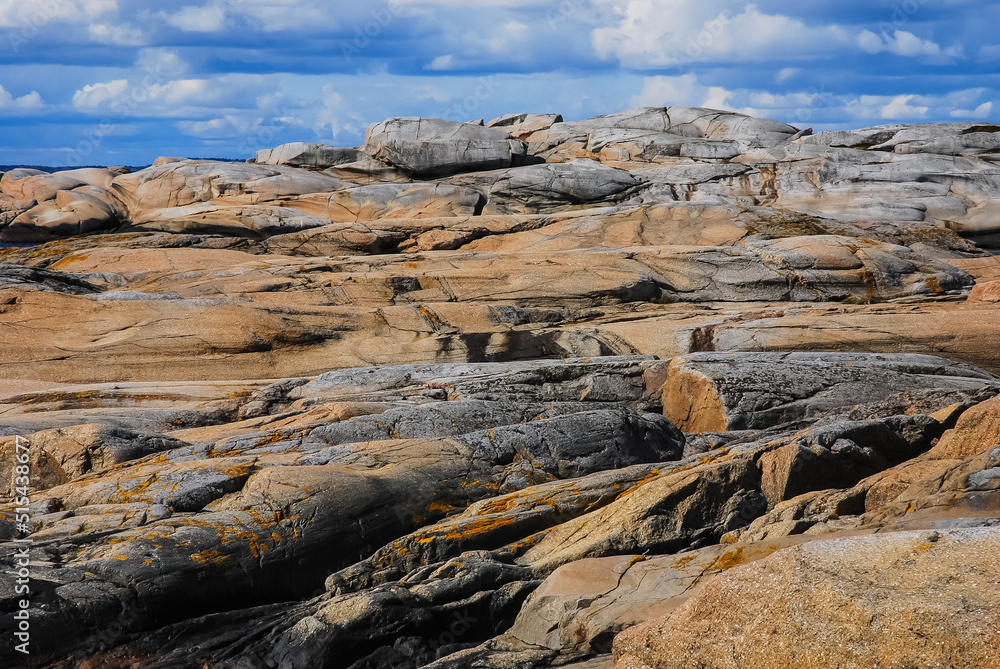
303 154
720 392
888 599
425 147
417 403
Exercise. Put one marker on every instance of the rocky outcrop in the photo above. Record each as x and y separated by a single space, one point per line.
496 394
432 148
312 156
286 493
853 601
720 392
550 187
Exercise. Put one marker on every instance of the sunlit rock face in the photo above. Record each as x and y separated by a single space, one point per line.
667 387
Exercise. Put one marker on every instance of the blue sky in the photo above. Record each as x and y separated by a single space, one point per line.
122 81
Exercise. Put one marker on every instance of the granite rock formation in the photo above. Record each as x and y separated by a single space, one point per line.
670 387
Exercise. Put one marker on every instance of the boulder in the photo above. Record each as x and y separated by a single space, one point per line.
520 126
368 203
716 392
424 147
81 211
550 187
308 155
977 430
63 455
177 184
209 218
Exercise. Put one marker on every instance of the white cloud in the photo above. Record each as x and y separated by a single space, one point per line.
717 98
903 43
648 35
511 33
208 18
812 107
278 15
328 116
30 101
480 3
219 128
983 111
912 107
900 108
161 62
36 15
124 34
786 74
196 92
172 97
273 15
95 96
663 91
441 63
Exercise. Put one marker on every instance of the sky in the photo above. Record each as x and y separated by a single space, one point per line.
114 82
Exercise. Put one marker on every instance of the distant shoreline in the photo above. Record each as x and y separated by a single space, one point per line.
135 168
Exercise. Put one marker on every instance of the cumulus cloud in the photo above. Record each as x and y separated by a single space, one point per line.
900 108
695 31
124 34
26 102
218 128
160 61
96 96
663 91
264 15
903 43
208 18
686 90
983 111
814 106
967 103
157 96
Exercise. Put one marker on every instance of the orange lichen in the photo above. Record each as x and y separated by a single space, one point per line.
683 562
209 557
478 527
653 473
728 560
440 507
635 560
